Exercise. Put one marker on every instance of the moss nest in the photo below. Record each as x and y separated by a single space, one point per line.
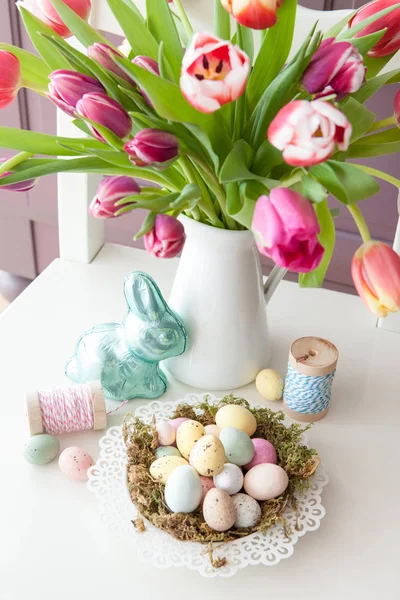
299 462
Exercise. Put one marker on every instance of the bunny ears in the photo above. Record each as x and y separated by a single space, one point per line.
144 298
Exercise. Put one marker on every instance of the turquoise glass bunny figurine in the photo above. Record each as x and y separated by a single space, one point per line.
125 356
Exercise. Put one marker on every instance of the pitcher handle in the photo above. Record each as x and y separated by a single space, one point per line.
274 279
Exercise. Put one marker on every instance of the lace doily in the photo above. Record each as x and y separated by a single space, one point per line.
107 479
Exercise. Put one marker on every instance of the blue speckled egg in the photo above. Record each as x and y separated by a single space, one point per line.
41 449
239 448
166 451
183 490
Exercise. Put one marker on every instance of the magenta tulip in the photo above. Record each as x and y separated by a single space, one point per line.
21 186
151 65
66 88
214 72
10 78
285 228
308 133
110 190
390 42
152 147
103 54
336 68
45 11
106 112
167 237
255 14
397 108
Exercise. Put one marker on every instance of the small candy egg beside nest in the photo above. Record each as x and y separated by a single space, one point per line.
148 494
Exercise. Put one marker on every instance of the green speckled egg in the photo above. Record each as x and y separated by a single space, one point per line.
167 451
237 444
41 449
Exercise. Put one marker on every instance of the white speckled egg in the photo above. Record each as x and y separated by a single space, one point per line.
233 415
208 456
269 384
206 484
41 449
183 491
213 430
178 421
162 468
248 511
166 451
218 510
238 446
166 433
230 479
266 481
75 462
187 435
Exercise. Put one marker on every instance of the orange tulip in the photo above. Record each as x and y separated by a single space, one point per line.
255 14
376 275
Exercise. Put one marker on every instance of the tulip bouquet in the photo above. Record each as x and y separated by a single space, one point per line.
230 138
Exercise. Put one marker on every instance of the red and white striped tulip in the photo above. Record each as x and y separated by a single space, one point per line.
308 133
106 112
285 228
336 67
103 54
10 78
66 88
21 186
255 14
152 147
45 11
397 108
376 275
111 190
214 72
390 42
167 237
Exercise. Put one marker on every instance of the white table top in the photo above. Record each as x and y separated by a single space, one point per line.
52 541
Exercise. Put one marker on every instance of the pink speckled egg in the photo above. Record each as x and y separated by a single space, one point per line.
75 462
264 452
207 484
178 421
166 433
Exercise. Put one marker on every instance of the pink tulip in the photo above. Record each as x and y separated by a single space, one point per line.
103 55
21 186
214 72
110 190
10 78
376 275
255 14
336 67
66 88
390 42
106 112
45 11
285 227
151 65
167 237
397 108
308 133
152 147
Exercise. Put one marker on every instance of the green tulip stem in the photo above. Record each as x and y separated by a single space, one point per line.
379 174
388 122
14 161
184 18
360 222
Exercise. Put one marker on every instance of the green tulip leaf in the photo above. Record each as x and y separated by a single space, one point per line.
370 87
83 32
236 165
35 71
339 26
360 118
326 238
134 27
312 189
147 226
370 150
347 183
222 22
245 40
375 65
161 24
366 42
267 157
41 143
239 205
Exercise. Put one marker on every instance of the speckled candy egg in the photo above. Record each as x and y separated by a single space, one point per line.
230 479
237 444
162 468
213 429
265 481
183 491
269 384
75 462
248 511
264 452
166 451
41 449
218 510
208 456
188 433
207 484
233 415
166 433
178 421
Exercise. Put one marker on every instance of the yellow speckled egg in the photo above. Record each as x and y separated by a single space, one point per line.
269 384
233 415
187 435
208 456
162 468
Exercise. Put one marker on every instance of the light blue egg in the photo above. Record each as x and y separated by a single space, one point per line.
41 449
239 448
166 451
183 490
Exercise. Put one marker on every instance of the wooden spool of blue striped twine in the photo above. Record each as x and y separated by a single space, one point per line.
308 385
